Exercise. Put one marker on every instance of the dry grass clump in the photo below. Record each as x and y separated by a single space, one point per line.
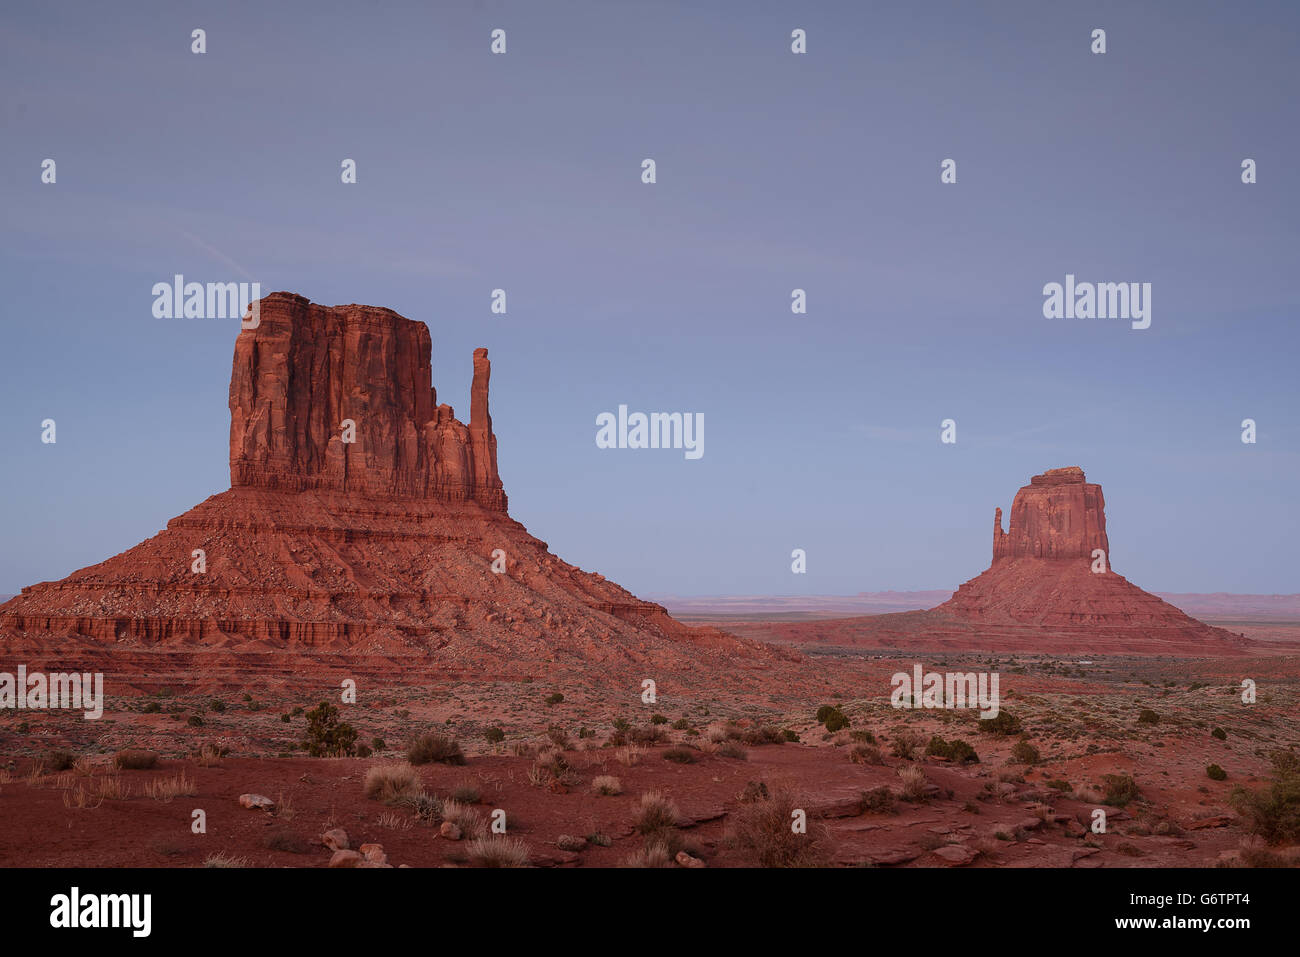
654 854
497 851
914 783
465 817
630 755
389 782
168 789
551 770
606 784
763 831
655 813
222 859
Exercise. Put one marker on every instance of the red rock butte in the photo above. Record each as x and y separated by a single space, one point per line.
385 544
1049 589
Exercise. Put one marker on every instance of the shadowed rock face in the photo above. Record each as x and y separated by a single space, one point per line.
1059 514
307 371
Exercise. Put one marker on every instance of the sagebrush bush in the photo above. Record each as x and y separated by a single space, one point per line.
433 747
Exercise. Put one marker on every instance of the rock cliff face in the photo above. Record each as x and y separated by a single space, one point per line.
340 399
397 543
1059 514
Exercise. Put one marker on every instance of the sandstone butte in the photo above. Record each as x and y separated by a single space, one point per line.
1039 595
383 545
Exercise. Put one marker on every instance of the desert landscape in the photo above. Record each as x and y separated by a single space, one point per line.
356 657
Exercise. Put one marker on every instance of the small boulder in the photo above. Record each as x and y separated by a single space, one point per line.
955 855
346 859
336 839
256 802
450 831
685 860
570 842
374 853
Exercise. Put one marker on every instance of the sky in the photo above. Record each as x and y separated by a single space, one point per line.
774 171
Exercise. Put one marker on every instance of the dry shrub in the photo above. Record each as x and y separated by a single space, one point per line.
631 755
497 851
654 854
730 749
606 784
914 783
431 747
762 831
552 771
905 743
135 759
389 782
655 814
467 818
865 754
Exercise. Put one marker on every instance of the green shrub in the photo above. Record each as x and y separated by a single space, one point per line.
836 720
327 736
658 719
1216 773
1147 716
1025 753
1274 812
1120 789
1005 723
1220 734
555 698
494 735
217 705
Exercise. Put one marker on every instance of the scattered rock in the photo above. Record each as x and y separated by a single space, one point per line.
346 859
336 839
570 842
450 831
256 802
374 853
685 860
955 855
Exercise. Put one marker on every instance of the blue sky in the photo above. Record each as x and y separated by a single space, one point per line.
775 171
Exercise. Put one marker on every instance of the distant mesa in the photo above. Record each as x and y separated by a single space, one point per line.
1045 592
394 543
